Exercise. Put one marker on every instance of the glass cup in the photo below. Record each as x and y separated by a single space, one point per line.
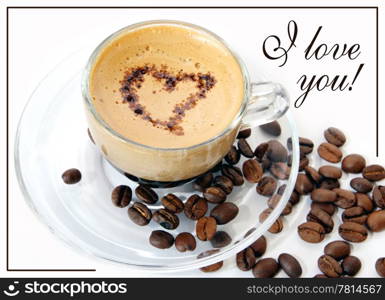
263 102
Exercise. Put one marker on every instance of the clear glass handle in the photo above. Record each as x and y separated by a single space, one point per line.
268 102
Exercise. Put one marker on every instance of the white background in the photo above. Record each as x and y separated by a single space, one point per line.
39 39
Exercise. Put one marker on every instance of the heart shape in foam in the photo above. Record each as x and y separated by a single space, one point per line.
134 79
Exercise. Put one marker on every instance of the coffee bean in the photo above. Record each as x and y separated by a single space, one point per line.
353 232
260 151
166 219
90 136
139 214
245 149
245 259
272 128
203 182
335 136
244 133
329 183
311 232
224 183
327 207
345 199
290 265
294 197
220 239
161 239
329 266
303 185
313 174
214 194
277 225
337 249
374 172
266 164
274 200
213 267
322 217
379 196
259 246
351 265
233 156
185 241
205 228
361 185
234 173
195 207
172 203
323 196
266 186
252 170
380 266
146 194
71 176
330 172
276 152
364 201
265 268
355 214
376 220
121 195
329 152
280 170
353 163
304 162
224 212
305 145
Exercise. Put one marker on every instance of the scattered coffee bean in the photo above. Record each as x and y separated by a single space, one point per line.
374 172
266 164
277 225
303 185
361 185
213 267
353 163
380 266
323 196
203 182
294 197
304 162
90 136
330 172
351 265
245 149
329 183
185 241
260 151
327 207
220 239
335 136
166 219
345 199
276 152
224 212
353 232
252 170
305 145
313 174
379 196
272 128
364 201
195 207
139 214
265 268
245 259
355 214
266 186
146 194
161 239
121 195
322 217
280 170
224 183
274 200
259 246
329 266
311 232
233 156
290 265
172 203
337 249
329 152
244 133
205 228
71 176
214 194
234 173
376 220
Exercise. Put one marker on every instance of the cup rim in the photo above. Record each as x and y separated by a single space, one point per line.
106 41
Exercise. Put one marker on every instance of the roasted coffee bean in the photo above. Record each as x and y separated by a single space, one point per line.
265 268
139 214
353 163
335 136
303 185
259 246
146 194
121 195
213 267
320 216
260 151
294 198
224 212
266 186
364 201
376 220
380 266
266 164
71 176
161 239
205 228
195 207
303 162
311 232
329 152
172 203
353 232
379 196
244 133
313 174
280 170
351 265
330 172
327 207
355 214
233 156
245 149
272 128
234 173
185 241
290 265
337 249
220 239
305 145
276 152
277 225
374 172
203 182
252 170
329 183
345 199
224 183
214 194
361 185
274 200
166 219
329 266
323 196
245 259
